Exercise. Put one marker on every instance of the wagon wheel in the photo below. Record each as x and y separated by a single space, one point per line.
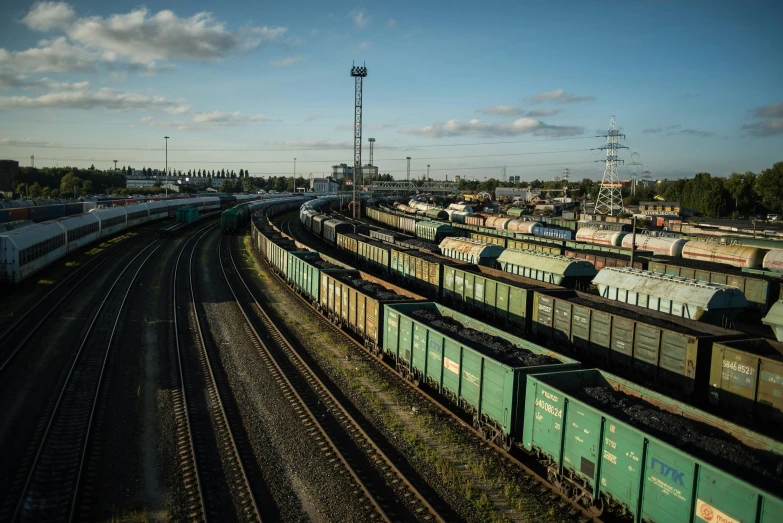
597 508
415 381
507 444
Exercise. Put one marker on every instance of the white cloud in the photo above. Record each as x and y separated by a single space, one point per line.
45 16
360 18
146 119
235 118
285 62
391 22
558 96
772 123
318 144
180 109
110 99
117 76
538 113
143 39
478 127
11 80
365 44
51 56
502 110
317 116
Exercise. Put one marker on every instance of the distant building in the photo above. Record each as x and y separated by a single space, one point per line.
9 171
342 171
513 179
370 172
512 193
323 185
657 208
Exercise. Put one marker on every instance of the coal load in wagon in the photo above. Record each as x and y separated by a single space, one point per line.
495 347
421 244
701 440
323 264
629 313
373 290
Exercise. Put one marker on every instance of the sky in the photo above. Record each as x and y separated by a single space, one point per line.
470 89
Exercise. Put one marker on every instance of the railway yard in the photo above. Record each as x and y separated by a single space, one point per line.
271 359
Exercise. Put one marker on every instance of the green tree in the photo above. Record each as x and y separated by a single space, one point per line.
769 186
157 184
241 173
741 187
35 191
87 187
68 183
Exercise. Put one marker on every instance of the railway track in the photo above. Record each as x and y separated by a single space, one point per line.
49 490
512 459
21 331
214 477
329 421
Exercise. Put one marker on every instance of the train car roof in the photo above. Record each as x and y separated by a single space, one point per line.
31 234
552 263
674 288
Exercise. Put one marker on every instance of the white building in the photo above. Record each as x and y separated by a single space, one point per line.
512 193
342 171
323 185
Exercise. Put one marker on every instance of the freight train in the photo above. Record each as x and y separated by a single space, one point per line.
29 249
570 419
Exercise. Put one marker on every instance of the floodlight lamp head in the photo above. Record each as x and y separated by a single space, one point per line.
359 70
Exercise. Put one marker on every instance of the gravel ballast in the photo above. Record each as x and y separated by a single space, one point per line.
493 346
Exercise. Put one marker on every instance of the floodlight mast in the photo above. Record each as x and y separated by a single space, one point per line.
358 73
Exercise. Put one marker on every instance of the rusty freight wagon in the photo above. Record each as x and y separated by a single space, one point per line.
372 253
355 301
523 243
609 442
746 379
603 259
304 270
420 269
644 345
478 367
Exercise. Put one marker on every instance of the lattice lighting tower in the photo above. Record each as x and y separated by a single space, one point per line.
610 198
634 161
358 73
372 143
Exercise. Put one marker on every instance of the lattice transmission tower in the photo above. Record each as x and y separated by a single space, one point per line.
358 73
610 198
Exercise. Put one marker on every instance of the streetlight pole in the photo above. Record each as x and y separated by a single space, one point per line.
167 166
294 175
408 177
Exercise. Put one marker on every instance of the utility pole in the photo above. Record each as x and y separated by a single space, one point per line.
167 166
428 172
115 166
408 178
32 161
294 175
372 143
358 73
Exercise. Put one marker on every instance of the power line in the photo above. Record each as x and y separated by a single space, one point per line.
288 173
46 145
258 162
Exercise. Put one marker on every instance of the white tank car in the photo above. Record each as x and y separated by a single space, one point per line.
600 237
773 260
660 246
734 255
527 227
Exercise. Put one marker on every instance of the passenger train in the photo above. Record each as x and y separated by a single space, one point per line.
29 249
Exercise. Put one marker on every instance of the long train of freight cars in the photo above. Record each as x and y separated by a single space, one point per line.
740 256
666 352
573 421
27 250
45 210
603 249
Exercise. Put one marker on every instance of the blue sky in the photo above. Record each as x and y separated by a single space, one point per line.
467 88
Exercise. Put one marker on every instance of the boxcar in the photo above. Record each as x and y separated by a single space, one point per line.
489 238
422 270
356 300
672 352
760 291
607 259
746 379
433 231
645 456
332 227
489 385
549 268
318 221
